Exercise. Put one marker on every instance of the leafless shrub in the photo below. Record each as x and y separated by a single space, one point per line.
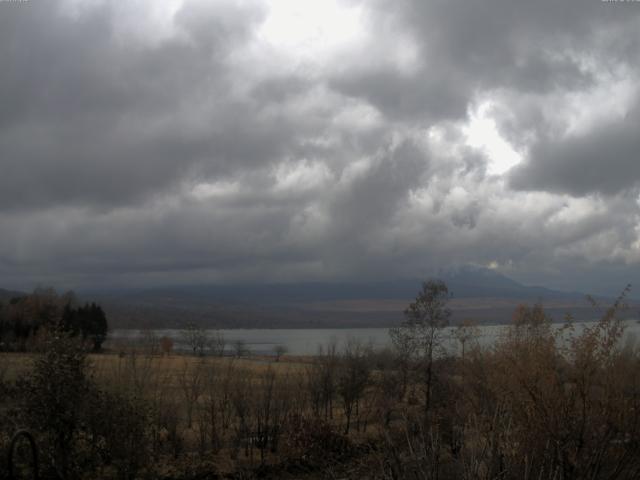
240 348
217 343
317 442
216 407
353 379
169 435
322 381
196 338
149 342
279 351
241 400
191 381
118 429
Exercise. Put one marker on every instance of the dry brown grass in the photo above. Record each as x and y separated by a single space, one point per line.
159 372
14 365
17 364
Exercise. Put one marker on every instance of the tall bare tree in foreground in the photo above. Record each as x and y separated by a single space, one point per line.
353 377
421 332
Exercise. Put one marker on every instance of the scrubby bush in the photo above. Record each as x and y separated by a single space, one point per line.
317 442
55 394
117 427
80 428
545 402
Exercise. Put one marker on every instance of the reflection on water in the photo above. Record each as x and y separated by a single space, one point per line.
307 341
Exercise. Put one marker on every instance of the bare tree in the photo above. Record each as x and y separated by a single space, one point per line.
196 337
353 378
240 348
135 373
404 349
387 392
149 342
265 410
464 333
279 351
210 414
321 380
225 387
217 343
217 407
191 381
242 400
421 331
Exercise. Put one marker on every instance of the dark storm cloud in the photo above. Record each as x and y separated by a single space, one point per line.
604 159
91 120
374 195
197 149
425 94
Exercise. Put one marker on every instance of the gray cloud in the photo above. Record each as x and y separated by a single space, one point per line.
196 150
492 44
604 159
94 120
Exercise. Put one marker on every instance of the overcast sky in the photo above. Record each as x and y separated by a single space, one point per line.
148 142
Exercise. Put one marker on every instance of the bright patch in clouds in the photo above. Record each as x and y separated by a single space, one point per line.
587 109
307 29
203 191
301 176
482 133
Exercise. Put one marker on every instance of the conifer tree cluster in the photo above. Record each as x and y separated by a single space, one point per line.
24 319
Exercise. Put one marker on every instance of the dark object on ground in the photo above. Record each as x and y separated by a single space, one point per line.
34 453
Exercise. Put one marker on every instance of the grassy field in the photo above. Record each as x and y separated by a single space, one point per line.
105 365
202 411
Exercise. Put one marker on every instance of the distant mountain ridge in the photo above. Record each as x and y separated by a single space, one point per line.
6 295
478 282
481 294
478 293
463 282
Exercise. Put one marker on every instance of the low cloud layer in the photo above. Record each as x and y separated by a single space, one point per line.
185 141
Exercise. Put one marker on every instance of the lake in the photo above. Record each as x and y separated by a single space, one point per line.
307 341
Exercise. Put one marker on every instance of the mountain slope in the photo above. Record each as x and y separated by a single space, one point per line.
477 293
476 282
465 282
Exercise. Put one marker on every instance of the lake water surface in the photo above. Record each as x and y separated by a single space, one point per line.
308 341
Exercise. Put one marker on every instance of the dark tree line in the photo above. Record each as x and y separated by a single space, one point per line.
89 321
24 319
